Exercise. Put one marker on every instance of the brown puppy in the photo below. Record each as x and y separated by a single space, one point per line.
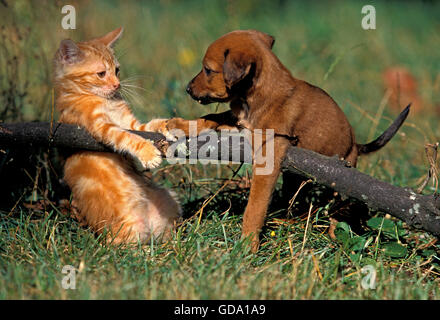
240 68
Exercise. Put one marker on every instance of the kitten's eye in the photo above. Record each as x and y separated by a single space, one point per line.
101 74
117 71
207 71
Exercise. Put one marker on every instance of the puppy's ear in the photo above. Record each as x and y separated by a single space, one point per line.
235 68
267 39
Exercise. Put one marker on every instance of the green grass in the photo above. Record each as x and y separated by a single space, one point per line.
163 44
206 261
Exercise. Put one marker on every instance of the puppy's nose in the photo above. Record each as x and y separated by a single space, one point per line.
188 89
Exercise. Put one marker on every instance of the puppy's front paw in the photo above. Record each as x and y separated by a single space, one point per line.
148 157
173 129
253 238
161 126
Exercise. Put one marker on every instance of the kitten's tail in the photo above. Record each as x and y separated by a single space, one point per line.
383 139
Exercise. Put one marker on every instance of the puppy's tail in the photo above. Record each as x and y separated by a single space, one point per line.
386 136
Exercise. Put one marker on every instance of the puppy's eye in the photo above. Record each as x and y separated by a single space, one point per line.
117 71
101 74
207 71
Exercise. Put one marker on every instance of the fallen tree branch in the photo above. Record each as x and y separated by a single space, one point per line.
418 211
58 135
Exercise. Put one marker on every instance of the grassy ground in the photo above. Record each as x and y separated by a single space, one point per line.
162 46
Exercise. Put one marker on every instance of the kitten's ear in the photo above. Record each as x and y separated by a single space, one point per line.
69 52
110 38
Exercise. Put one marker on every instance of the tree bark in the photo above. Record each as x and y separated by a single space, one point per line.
418 211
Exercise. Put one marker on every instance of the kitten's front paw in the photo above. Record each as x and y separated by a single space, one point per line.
149 157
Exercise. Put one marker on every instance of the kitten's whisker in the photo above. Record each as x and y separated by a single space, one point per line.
133 96
126 93
136 76
132 91
128 99
132 83
129 90
131 80
132 86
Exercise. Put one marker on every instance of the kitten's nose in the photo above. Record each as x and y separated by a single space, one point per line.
116 85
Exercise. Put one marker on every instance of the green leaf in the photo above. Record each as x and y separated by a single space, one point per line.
376 223
428 252
357 243
388 227
394 250
344 226
342 233
400 229
355 257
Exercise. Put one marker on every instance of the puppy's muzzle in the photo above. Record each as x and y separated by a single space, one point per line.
202 99
188 89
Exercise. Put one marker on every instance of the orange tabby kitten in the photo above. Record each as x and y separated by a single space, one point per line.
108 192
